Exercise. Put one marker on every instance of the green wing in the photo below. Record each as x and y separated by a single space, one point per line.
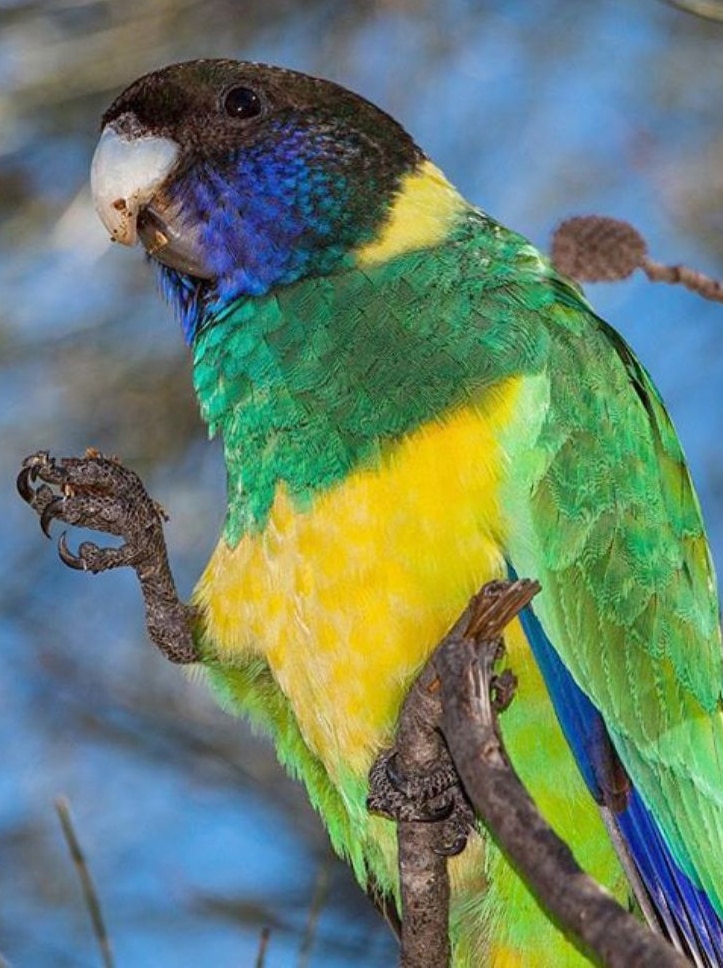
608 521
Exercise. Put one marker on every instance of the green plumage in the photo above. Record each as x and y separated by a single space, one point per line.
610 524
310 383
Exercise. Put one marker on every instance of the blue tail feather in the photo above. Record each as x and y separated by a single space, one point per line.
668 887
679 904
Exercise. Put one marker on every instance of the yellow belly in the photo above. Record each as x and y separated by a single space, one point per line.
345 599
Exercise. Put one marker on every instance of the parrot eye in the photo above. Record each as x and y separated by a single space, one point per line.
242 102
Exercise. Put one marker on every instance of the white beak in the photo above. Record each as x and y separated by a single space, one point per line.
126 173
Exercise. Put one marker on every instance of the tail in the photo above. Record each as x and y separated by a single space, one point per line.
671 903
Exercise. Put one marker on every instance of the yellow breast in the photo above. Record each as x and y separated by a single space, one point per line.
347 597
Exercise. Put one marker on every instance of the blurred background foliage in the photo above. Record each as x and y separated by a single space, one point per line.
537 110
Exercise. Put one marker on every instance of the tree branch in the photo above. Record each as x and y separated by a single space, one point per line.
459 694
586 913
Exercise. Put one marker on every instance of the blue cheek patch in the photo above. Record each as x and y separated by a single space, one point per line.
263 220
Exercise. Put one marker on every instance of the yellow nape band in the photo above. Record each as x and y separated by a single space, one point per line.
423 211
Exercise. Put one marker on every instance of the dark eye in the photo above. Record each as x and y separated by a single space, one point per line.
242 102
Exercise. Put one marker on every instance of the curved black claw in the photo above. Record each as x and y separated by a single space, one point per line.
25 479
459 825
503 688
454 848
48 515
32 469
67 556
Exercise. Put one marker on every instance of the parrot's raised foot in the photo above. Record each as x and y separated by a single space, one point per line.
435 797
99 493
93 492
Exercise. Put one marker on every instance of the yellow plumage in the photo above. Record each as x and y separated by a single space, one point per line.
347 597
424 209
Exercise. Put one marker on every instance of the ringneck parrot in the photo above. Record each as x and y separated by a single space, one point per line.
412 402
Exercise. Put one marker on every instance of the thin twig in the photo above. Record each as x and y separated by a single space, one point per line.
704 285
318 900
705 9
596 248
90 895
263 945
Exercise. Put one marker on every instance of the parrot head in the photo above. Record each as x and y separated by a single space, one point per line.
237 177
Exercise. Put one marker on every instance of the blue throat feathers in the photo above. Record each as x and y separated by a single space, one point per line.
270 215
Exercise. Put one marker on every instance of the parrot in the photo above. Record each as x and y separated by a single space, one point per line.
412 402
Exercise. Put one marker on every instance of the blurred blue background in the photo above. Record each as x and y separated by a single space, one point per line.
536 110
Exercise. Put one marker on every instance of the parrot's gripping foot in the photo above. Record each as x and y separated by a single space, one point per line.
434 797
99 493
